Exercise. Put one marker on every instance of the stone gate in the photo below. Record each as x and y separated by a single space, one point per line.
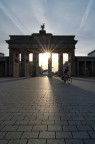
39 43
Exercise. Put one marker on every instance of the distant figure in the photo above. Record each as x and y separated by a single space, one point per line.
66 70
43 26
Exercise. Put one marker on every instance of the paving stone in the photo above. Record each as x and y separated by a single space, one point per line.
36 141
89 141
93 127
49 114
22 122
55 141
87 122
3 141
42 117
54 128
74 141
92 134
29 135
35 122
13 135
63 135
37 114
51 122
84 128
47 135
11 122
1 127
5 118
78 118
80 135
54 118
25 128
28 118
66 118
10 128
74 122
17 118
70 128
2 135
17 141
1 121
59 114
39 128
89 118
61 122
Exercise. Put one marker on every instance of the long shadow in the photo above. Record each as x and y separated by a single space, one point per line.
71 92
72 104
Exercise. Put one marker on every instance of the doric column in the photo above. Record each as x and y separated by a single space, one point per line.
85 69
60 64
24 63
92 68
50 65
6 69
77 68
11 62
27 64
35 64
16 67
72 62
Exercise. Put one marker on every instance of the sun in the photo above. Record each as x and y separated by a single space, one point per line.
47 54
43 59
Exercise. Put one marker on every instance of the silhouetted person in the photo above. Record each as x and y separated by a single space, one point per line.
66 70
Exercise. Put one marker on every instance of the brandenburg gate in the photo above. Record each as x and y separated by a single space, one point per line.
39 43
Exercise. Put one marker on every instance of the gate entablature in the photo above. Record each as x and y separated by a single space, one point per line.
37 41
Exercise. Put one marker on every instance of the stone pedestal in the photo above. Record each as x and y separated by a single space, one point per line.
42 32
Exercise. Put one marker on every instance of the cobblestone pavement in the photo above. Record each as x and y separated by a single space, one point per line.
47 111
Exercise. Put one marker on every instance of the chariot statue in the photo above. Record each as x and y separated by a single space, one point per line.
43 26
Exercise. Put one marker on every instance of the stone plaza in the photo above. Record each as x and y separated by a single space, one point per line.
44 110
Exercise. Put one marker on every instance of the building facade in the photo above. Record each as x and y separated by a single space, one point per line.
92 53
4 65
85 66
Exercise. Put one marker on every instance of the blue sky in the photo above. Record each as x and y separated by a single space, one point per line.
61 17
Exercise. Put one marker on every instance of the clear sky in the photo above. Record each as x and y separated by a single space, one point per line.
61 17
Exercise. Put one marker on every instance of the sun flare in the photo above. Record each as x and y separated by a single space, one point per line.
47 54
43 60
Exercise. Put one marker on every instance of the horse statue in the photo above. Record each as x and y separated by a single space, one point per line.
43 26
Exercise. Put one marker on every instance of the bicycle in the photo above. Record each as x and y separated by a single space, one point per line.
66 78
